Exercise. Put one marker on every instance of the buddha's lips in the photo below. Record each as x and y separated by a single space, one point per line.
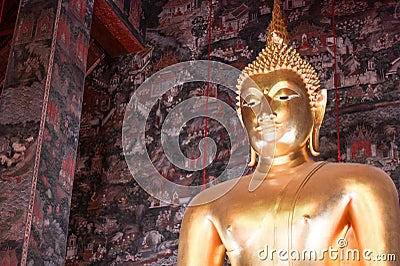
268 127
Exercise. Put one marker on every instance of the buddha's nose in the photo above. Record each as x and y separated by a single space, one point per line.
265 118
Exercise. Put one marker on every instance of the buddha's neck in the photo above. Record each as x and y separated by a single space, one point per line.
286 162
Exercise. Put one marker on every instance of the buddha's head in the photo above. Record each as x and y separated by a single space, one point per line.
281 101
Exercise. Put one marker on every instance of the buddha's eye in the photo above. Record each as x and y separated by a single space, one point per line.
251 103
286 97
285 94
252 99
283 98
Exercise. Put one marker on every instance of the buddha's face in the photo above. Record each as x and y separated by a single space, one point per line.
276 113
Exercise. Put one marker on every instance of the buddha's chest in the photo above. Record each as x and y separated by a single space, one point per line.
285 216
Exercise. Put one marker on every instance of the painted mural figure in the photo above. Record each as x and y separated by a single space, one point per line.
300 210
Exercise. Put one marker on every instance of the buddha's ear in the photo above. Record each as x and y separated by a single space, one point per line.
253 158
318 111
320 106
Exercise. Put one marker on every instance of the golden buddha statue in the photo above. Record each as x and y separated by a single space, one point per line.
302 212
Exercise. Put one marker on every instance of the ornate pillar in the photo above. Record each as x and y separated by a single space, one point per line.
40 113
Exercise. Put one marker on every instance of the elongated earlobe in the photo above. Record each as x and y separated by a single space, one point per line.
253 157
318 112
314 141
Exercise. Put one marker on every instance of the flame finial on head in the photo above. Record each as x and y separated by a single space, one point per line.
277 28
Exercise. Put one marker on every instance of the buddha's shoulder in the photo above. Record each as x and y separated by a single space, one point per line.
212 194
353 172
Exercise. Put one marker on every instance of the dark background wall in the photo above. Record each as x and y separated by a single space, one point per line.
113 220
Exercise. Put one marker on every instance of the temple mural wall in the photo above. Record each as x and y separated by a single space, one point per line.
113 220
38 145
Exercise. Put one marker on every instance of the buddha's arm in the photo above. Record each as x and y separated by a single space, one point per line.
199 242
375 217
